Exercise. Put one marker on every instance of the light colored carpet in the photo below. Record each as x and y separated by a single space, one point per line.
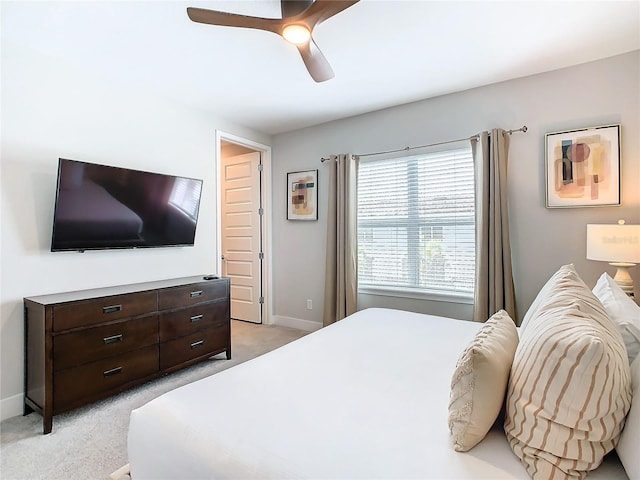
91 442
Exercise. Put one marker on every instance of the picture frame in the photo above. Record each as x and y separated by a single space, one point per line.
302 195
582 167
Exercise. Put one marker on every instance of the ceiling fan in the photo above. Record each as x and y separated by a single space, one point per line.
299 18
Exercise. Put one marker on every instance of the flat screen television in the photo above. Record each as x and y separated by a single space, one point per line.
102 207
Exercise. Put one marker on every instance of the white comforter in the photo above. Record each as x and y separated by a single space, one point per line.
365 398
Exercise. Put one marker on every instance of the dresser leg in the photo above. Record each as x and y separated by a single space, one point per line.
47 422
47 426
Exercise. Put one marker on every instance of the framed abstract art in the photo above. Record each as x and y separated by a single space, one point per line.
582 167
302 195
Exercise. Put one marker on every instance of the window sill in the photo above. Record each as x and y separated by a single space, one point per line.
417 294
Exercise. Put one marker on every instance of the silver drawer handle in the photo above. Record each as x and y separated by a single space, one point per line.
196 318
111 309
112 339
113 371
197 344
197 293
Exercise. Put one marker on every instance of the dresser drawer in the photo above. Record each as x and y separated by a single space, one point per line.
184 322
193 346
103 309
177 297
91 344
90 380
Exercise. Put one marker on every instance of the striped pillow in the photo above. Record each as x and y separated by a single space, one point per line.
569 389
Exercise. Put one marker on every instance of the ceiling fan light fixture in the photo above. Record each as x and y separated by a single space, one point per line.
296 25
296 34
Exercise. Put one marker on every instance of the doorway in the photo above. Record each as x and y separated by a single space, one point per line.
242 225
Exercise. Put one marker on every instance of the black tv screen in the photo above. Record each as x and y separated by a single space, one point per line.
101 207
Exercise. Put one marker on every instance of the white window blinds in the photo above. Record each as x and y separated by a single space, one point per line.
416 223
185 195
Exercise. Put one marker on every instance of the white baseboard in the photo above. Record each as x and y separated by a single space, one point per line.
11 407
306 325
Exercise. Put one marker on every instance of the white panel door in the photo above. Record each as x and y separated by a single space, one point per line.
241 239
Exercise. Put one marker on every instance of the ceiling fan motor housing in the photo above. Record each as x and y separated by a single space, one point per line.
291 8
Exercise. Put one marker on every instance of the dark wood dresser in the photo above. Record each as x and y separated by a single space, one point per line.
88 345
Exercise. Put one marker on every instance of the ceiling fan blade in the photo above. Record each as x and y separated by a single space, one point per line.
321 10
314 60
213 17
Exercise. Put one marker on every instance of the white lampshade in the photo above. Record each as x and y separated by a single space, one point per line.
620 246
614 243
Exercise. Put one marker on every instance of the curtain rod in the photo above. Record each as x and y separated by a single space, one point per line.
406 149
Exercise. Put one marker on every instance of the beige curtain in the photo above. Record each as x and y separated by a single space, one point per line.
341 277
494 288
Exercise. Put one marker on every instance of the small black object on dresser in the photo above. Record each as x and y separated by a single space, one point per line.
84 346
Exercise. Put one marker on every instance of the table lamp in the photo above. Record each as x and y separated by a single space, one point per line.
617 244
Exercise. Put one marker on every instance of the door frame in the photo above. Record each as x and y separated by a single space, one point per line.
265 194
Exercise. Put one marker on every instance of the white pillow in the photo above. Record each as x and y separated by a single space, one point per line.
628 448
570 387
479 381
624 312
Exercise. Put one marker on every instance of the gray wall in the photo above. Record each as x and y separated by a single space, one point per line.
592 94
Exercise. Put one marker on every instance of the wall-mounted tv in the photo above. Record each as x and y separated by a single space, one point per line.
102 207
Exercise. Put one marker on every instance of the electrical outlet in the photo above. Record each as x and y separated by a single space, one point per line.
309 304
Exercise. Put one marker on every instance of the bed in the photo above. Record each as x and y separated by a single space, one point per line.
364 398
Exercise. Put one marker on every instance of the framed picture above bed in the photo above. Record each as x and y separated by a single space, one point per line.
302 195
582 167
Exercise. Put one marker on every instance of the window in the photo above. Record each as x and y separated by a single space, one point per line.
185 196
416 224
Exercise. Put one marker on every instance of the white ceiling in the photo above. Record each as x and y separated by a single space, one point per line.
383 52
